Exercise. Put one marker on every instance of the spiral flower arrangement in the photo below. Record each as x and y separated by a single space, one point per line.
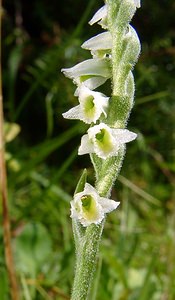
114 54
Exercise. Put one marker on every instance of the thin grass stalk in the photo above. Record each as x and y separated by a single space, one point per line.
4 198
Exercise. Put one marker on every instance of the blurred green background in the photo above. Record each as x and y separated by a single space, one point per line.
137 253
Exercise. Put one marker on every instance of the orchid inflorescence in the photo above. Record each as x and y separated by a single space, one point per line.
114 52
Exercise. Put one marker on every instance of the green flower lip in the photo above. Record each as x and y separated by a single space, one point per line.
86 201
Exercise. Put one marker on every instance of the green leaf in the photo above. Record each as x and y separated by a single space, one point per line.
32 248
81 182
3 284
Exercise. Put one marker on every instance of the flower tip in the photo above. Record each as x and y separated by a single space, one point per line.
99 15
116 204
65 72
133 135
137 3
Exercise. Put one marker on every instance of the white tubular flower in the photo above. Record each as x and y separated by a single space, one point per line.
93 72
101 16
88 207
104 141
92 105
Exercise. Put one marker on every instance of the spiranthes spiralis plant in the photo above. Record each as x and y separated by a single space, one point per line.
114 53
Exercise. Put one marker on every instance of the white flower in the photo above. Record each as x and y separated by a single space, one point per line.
101 16
88 207
100 45
104 141
101 41
92 72
92 105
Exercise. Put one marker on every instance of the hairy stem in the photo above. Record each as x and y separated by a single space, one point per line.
88 245
86 262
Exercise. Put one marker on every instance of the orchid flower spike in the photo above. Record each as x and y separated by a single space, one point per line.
104 141
92 105
88 207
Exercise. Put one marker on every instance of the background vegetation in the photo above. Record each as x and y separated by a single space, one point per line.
137 257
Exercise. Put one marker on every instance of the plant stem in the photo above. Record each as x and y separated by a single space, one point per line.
86 262
3 196
87 245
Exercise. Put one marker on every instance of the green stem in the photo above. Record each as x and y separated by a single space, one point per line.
86 262
87 245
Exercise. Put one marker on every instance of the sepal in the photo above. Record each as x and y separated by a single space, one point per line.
100 17
101 41
97 69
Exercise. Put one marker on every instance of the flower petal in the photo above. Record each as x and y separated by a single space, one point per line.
123 135
137 3
73 113
101 41
86 146
100 15
93 82
95 67
108 204
90 189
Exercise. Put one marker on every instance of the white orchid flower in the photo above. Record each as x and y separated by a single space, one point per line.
101 41
100 17
92 105
99 45
88 207
92 72
104 141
